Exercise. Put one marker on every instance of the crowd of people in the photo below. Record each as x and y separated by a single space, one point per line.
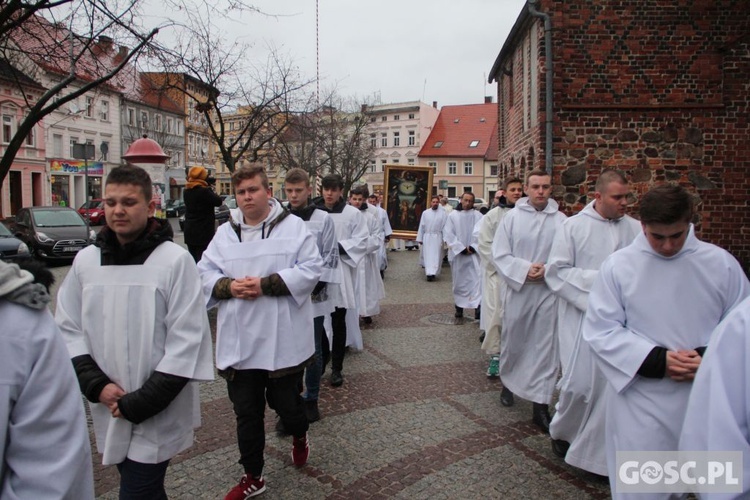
613 314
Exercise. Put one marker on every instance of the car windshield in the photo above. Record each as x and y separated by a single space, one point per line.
4 231
57 218
93 204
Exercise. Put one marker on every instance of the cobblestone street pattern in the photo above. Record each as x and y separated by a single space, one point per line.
415 418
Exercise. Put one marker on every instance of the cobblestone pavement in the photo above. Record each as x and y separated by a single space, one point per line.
415 418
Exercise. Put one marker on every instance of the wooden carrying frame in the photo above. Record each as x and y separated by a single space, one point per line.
407 192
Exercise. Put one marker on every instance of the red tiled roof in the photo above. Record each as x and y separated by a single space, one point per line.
457 126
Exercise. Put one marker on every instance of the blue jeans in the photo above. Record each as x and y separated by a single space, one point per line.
142 481
315 370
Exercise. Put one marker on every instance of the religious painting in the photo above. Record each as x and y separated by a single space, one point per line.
405 197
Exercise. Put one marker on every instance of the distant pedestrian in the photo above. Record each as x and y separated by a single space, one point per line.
133 317
458 234
200 200
430 239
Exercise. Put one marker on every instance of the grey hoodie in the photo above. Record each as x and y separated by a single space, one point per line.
17 285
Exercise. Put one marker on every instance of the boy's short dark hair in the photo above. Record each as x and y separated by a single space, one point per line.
666 204
134 175
332 181
360 189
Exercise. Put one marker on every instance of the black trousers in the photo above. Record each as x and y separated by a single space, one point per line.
338 349
248 391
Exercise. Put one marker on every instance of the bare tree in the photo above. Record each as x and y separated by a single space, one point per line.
343 139
331 138
257 99
61 37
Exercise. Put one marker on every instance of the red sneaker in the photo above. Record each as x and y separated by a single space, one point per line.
249 487
300 451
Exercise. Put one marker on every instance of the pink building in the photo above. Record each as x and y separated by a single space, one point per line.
25 183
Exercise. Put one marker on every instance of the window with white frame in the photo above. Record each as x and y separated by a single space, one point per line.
410 161
396 117
104 149
452 168
493 170
468 189
373 140
157 122
384 139
170 125
88 109
105 111
383 118
396 139
131 117
9 128
383 162
57 145
178 127
396 161
468 168
433 165
73 142
144 119
30 140
191 146
373 166
412 138
411 116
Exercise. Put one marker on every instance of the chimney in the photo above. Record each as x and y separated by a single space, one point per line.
488 99
434 104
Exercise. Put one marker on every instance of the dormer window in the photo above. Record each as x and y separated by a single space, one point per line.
438 144
473 144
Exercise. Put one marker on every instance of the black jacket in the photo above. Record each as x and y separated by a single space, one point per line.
199 215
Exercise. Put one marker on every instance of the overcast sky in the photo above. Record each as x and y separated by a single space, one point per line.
399 50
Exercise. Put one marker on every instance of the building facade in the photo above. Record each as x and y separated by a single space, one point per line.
656 90
26 183
396 133
460 150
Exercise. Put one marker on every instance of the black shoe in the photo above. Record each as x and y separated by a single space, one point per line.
459 312
560 447
431 277
481 337
311 411
540 416
478 313
367 320
337 379
280 429
506 398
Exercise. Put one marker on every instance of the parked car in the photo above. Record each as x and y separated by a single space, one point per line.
11 248
175 207
52 233
94 210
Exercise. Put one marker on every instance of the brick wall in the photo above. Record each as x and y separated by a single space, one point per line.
657 89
